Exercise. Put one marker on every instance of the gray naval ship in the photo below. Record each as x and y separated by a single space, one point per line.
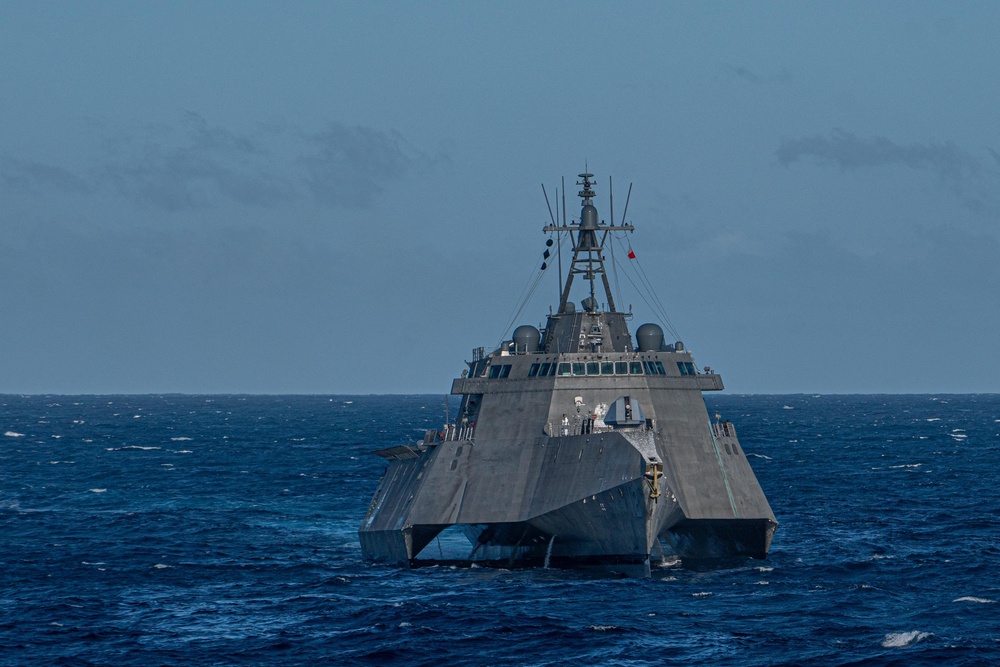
576 445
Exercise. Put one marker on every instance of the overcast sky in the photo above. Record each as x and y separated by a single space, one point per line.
345 197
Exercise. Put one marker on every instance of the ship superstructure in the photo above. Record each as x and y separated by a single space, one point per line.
576 445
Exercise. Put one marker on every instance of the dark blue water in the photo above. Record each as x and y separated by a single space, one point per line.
221 530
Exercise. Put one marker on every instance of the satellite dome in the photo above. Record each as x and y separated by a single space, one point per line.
526 339
649 337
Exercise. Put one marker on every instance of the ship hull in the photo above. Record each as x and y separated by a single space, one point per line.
595 499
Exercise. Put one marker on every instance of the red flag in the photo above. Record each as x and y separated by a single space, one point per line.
631 253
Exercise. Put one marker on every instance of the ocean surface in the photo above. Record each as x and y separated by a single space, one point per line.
222 530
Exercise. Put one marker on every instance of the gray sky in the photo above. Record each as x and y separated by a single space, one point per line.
345 197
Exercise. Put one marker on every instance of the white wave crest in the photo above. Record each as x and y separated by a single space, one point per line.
98 490
969 598
12 434
901 639
180 439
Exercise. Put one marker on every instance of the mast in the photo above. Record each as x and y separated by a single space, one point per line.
588 249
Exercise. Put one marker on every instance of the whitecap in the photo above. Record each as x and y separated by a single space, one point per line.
906 465
180 439
98 490
759 456
161 566
969 598
602 628
933 419
958 436
183 451
139 447
901 639
405 624
56 436
12 434
787 407
701 594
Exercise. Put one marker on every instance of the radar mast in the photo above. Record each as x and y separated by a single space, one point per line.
588 249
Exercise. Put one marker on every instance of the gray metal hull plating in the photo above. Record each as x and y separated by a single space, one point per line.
587 498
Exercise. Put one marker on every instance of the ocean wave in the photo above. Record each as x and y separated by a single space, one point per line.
901 639
969 598
12 434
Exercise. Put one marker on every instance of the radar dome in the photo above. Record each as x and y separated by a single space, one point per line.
649 337
526 339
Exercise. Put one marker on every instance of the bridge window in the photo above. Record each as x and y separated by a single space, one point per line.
499 371
686 368
579 368
533 371
593 368
621 368
564 369
635 368
607 368
660 369
544 371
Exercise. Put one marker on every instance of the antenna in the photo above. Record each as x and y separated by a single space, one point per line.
611 194
551 217
560 241
629 197
558 234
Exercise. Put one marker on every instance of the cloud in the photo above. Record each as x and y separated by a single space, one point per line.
349 165
195 164
35 177
849 152
740 72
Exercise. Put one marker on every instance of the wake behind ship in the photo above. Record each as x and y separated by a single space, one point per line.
575 445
